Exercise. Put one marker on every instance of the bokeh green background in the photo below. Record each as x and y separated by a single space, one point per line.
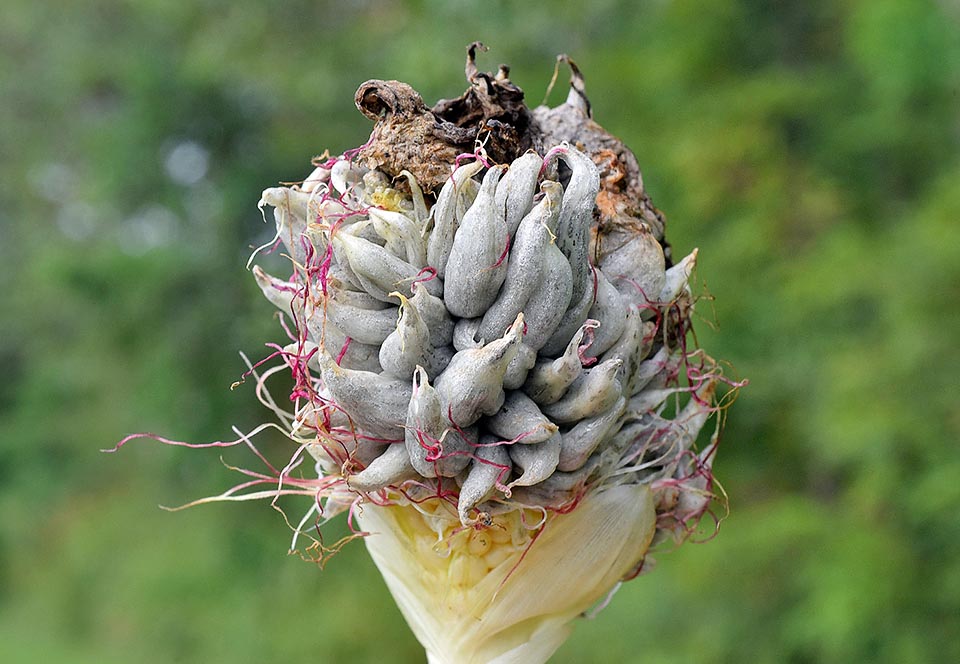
810 149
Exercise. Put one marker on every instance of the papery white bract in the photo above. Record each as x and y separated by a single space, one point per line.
506 592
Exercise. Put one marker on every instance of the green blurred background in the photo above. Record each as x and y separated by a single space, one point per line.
810 149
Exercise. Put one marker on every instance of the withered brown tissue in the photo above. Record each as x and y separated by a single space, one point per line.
492 113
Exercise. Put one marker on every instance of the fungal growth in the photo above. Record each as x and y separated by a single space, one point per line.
495 371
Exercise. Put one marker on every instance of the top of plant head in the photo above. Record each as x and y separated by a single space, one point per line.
425 141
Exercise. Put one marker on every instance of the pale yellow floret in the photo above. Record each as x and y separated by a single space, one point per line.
388 199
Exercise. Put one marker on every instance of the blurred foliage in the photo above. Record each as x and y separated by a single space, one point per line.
810 149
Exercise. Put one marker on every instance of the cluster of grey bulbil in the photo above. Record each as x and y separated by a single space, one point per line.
487 342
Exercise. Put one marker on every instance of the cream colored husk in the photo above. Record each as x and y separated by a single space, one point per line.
475 598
